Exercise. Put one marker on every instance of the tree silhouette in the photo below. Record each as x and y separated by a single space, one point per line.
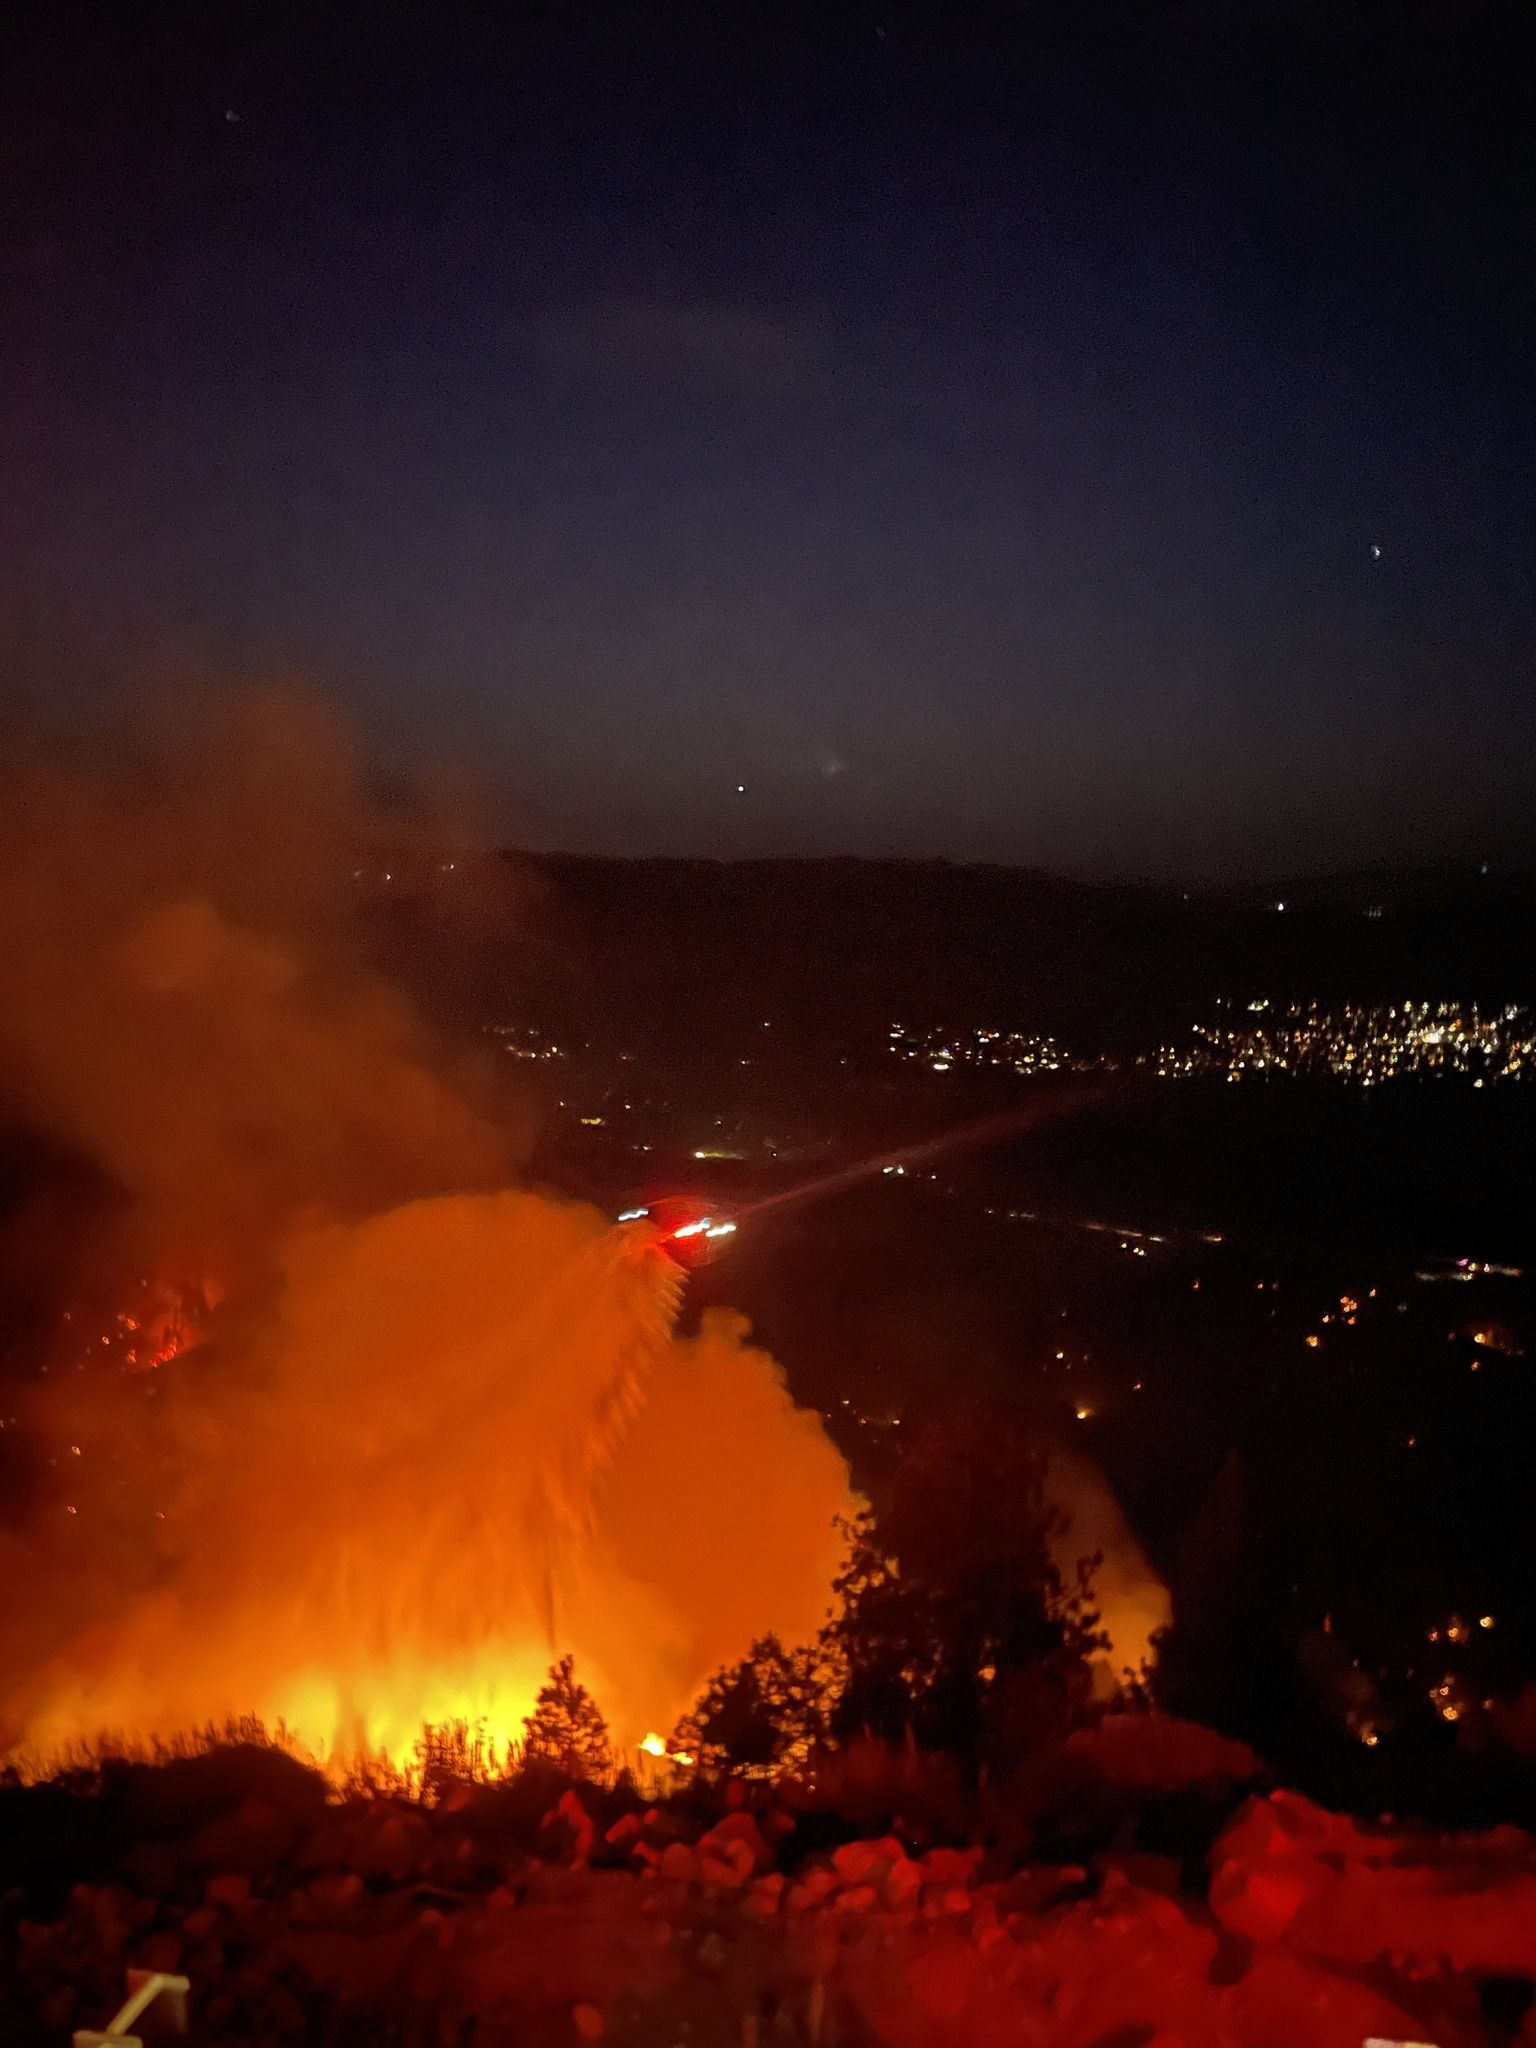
759 1716
566 1729
955 1627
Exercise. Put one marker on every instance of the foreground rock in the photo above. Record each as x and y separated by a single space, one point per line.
475 1922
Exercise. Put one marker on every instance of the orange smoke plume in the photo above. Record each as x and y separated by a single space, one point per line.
438 1433
465 1440
192 1003
1132 1602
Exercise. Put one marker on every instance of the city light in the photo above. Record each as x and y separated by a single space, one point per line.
1364 1045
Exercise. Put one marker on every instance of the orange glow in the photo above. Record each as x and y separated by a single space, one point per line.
465 1441
1132 1602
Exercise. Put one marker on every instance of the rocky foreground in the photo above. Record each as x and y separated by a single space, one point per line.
384 1920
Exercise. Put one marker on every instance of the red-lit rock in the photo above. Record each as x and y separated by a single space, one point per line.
811 1888
325 1848
678 1863
1159 1752
332 1896
1150 1873
252 1840
902 1885
160 1952
1331 1889
394 1846
232 1890
1260 1901
58 2008
568 1830
950 1866
865 1862
733 1852
625 1832
939 1900
943 1981
1282 2000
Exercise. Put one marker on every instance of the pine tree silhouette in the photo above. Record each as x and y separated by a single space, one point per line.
566 1729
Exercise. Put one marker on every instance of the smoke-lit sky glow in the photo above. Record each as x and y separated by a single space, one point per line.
1031 436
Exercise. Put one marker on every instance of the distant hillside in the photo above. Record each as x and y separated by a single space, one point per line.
848 946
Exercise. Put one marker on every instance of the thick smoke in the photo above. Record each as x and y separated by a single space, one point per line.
465 1438
444 1431
189 1002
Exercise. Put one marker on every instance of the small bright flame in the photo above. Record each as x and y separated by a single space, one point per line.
655 1745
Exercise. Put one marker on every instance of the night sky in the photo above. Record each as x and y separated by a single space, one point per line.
1093 437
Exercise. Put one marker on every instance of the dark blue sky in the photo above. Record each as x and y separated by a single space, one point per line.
968 428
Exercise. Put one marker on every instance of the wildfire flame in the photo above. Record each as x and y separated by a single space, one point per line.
466 1440
656 1745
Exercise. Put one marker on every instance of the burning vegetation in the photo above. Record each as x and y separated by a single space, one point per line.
461 1437
426 1432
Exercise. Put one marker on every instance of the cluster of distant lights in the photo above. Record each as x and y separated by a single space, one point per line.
525 1042
1363 1044
1026 1052
1471 1269
595 1120
1451 1697
1485 1334
864 1421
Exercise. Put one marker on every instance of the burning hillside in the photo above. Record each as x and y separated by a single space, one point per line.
438 1431
463 1436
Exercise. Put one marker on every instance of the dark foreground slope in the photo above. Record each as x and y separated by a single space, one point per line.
1161 1905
